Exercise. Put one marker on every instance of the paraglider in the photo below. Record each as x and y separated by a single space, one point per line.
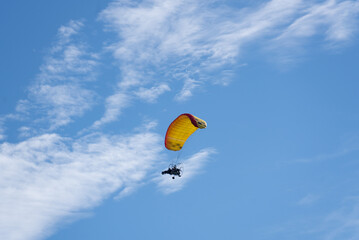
177 134
173 170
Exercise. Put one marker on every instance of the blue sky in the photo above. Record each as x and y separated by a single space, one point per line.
88 89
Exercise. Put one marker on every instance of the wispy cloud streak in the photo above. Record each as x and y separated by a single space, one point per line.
187 89
2 130
205 39
192 167
151 94
336 20
58 93
342 223
113 108
48 178
308 200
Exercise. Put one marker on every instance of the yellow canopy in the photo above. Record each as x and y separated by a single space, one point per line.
180 129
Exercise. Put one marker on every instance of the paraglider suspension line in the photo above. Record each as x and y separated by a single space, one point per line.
177 159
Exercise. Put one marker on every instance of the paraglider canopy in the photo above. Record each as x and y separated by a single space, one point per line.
180 129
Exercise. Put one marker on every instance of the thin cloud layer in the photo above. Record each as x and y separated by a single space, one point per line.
200 41
2 135
114 106
48 179
342 223
336 20
191 167
63 102
59 94
308 200
151 94
187 89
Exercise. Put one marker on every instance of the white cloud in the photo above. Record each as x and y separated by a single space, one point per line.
152 93
2 136
48 179
63 102
308 199
23 106
2 130
342 223
73 60
131 77
160 42
196 37
59 94
337 21
147 125
349 148
25 131
187 90
114 106
191 168
66 32
3 120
